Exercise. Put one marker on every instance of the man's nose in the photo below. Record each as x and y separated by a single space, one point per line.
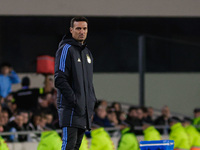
81 31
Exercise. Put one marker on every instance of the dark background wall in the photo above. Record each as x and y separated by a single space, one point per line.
172 43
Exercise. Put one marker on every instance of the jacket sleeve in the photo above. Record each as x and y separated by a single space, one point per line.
14 77
62 74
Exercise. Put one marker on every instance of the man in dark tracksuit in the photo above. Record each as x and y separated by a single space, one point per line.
73 79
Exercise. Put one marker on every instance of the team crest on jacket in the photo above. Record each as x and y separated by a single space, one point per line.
88 59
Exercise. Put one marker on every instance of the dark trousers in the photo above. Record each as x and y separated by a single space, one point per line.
72 138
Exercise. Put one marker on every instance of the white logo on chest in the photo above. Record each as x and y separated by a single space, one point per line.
88 59
79 60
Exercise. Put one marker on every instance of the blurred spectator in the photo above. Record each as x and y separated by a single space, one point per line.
132 116
4 119
12 109
43 102
25 116
163 120
100 117
150 132
35 121
7 78
112 117
42 122
150 113
27 98
117 106
50 140
194 135
3 145
146 117
178 134
101 140
49 117
140 116
128 140
49 85
196 121
17 125
122 118
102 103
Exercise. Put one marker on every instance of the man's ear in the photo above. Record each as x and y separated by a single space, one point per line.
70 29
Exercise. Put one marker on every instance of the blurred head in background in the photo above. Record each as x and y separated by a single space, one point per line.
186 121
166 112
6 68
25 116
173 120
19 120
5 117
132 112
150 111
117 106
196 112
101 112
140 114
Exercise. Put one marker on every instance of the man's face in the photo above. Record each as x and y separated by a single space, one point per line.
166 112
197 114
5 117
19 120
79 31
25 117
5 70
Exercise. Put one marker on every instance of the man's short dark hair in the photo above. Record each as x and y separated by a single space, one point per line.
5 64
77 19
25 81
196 110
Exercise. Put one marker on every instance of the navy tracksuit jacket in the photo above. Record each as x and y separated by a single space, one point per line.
74 81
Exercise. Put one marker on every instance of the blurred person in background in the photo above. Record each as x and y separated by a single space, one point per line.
132 117
7 78
103 103
151 113
100 116
112 116
49 86
25 116
150 132
27 98
196 120
145 115
194 135
128 140
34 122
3 145
50 140
101 140
117 106
42 122
34 125
17 125
122 118
5 119
49 117
44 102
11 105
178 134
163 120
